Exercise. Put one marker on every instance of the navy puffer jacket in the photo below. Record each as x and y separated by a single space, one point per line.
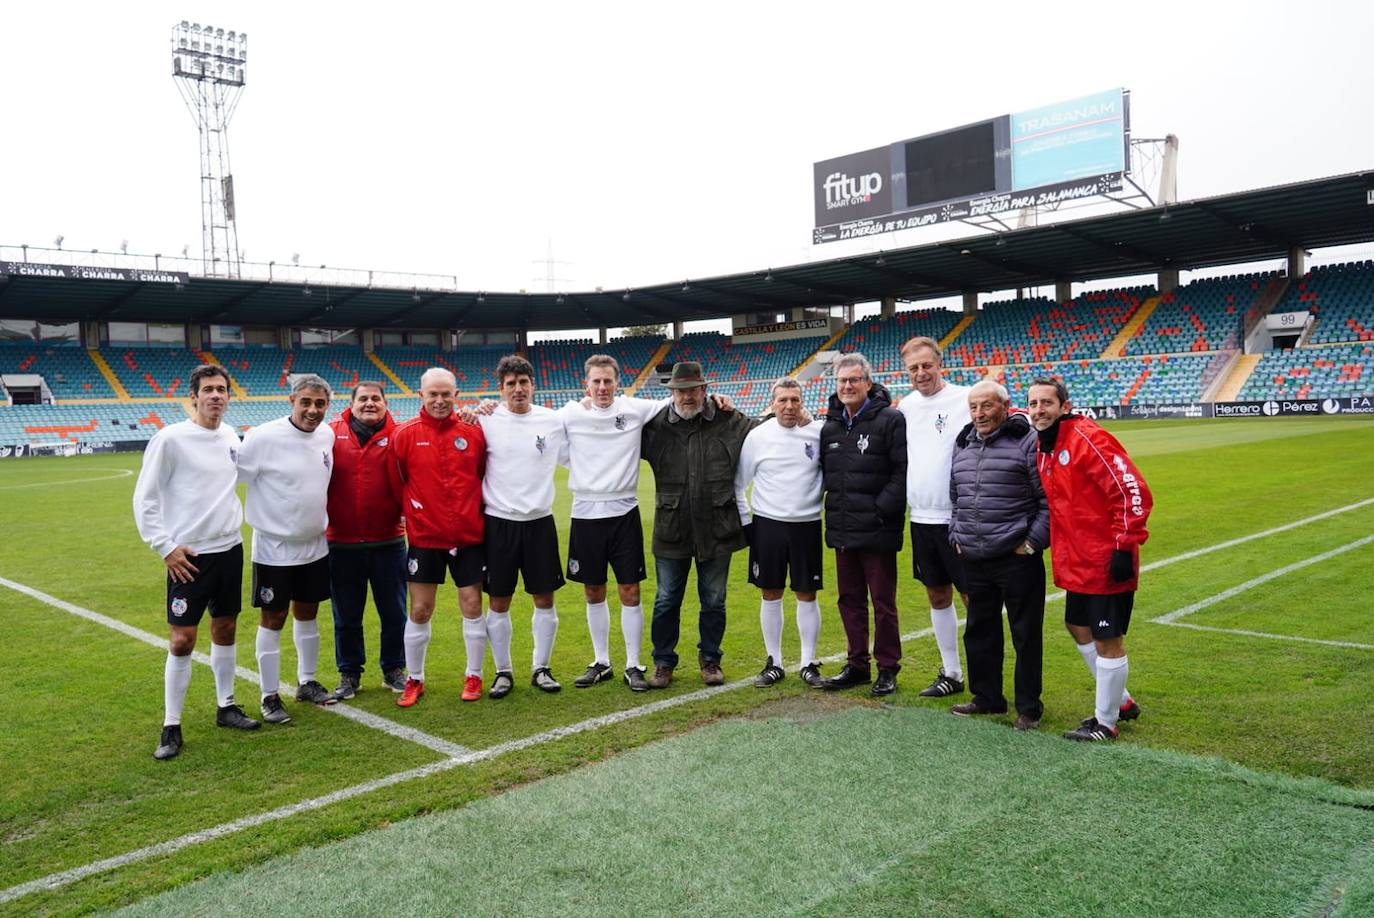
864 473
995 487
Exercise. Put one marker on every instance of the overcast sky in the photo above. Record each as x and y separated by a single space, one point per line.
645 142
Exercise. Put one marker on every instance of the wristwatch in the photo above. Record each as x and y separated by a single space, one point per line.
1027 548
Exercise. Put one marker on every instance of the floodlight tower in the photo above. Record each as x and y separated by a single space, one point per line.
209 65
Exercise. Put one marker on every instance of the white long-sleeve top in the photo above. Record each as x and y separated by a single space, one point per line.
522 450
931 426
784 463
603 468
287 473
185 492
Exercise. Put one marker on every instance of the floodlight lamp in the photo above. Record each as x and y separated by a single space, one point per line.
243 37
58 241
481 297
210 30
881 260
559 300
182 43
195 27
219 50
230 36
219 33
185 24
626 296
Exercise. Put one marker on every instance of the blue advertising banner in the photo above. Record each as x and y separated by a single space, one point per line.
1069 140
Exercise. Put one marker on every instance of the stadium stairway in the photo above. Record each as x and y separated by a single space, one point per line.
956 331
825 346
208 357
380 364
1235 380
1117 347
650 366
99 360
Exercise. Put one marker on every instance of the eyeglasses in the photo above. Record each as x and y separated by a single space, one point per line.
850 380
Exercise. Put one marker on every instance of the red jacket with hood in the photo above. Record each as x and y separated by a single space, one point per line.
437 468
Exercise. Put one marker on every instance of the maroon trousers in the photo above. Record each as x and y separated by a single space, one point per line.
861 574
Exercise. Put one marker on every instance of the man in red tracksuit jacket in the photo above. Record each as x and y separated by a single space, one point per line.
366 541
1099 507
437 465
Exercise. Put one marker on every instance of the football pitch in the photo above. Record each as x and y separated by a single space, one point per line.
1247 788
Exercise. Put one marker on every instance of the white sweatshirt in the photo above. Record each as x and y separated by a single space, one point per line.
522 450
604 455
784 463
931 426
185 492
287 473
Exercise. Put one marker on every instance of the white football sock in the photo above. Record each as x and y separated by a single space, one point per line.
176 677
416 639
945 623
498 633
223 660
475 639
1089 653
268 647
545 628
1111 682
770 620
809 625
599 627
306 636
632 628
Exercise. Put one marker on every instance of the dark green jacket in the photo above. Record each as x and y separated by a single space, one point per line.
694 479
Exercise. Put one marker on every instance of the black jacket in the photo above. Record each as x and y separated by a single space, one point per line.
864 468
995 487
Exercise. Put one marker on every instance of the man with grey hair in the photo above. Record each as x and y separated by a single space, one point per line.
1000 527
286 465
863 464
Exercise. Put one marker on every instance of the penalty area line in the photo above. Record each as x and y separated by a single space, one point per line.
119 473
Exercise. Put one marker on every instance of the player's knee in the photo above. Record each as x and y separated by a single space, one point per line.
629 594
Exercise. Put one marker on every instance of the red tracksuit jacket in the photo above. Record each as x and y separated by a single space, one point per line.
437 469
362 505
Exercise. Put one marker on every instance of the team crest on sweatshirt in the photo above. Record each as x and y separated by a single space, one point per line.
863 443
539 444
620 422
324 454
233 455
941 421
810 451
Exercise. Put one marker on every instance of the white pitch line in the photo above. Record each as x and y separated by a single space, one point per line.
357 715
121 473
1265 634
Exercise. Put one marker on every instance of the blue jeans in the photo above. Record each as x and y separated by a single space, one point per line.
350 572
671 573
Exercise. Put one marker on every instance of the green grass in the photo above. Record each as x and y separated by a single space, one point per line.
81 784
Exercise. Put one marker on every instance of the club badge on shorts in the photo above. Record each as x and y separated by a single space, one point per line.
412 565
265 594
179 607
573 566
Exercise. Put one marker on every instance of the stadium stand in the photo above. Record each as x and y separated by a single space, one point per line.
1341 297
1204 315
727 362
1038 329
66 368
153 372
559 363
474 367
127 422
881 340
1335 371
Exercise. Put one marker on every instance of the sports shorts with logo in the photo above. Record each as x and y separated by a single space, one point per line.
934 561
274 587
777 549
616 542
524 549
465 565
218 584
1107 614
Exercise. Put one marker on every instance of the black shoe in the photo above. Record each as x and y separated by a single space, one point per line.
501 685
348 687
273 711
634 678
169 744
1092 732
543 680
314 693
231 715
596 672
848 677
1129 711
886 684
943 686
811 675
771 674
395 679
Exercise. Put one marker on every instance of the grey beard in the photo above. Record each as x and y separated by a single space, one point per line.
687 413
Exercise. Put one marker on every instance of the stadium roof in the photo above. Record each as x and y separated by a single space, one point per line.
1227 229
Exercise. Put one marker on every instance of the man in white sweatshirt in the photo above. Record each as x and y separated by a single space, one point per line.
782 460
935 412
524 443
286 466
187 510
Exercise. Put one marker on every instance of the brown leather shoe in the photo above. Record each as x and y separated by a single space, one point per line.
711 674
970 708
662 677
1024 722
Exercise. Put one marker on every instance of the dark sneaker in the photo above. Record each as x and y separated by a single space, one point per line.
169 743
943 686
596 672
634 678
711 674
771 674
273 711
543 680
848 677
395 679
811 675
231 715
1026 722
886 684
1090 731
972 708
501 685
348 687
314 693
662 677
1129 711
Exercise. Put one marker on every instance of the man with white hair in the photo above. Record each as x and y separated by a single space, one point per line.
1000 527
286 466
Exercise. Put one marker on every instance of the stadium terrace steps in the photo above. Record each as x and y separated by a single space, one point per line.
380 364
99 360
1236 379
650 366
208 357
956 331
1128 331
825 345
1329 371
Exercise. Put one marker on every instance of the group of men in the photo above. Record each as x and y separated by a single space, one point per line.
366 502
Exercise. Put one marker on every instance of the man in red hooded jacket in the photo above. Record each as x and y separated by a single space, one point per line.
1099 505
366 541
437 466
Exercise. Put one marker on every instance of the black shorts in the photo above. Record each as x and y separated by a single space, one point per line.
616 541
523 549
275 587
934 561
1107 614
777 548
466 565
218 584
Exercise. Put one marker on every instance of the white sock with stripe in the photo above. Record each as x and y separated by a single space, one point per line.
223 660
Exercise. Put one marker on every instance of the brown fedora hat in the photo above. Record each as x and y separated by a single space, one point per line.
686 375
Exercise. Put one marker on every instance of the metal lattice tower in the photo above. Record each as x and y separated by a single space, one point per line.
210 68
